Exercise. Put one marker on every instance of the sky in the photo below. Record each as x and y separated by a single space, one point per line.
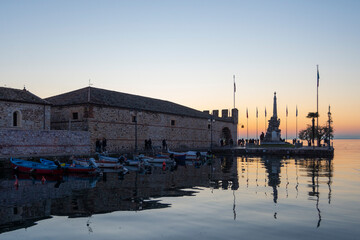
187 52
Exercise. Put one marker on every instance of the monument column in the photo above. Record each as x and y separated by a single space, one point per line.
273 133
275 106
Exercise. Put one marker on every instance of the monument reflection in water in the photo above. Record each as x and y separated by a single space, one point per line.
278 198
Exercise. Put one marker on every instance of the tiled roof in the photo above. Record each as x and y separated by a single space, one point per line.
123 100
18 95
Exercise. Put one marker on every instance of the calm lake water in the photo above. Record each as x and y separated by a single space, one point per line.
234 198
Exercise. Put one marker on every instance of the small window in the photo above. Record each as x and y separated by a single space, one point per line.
172 122
134 119
75 115
16 119
209 126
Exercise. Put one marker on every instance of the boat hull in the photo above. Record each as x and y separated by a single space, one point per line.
69 168
33 167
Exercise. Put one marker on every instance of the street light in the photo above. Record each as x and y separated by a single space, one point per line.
134 120
211 121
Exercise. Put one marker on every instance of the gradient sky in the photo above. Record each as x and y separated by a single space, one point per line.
188 51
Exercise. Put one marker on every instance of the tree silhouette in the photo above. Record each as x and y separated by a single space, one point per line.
313 115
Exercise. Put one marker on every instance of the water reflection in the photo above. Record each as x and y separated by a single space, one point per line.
26 199
278 173
83 196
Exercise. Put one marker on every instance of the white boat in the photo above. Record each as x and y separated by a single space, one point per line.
160 159
108 159
136 162
190 155
102 163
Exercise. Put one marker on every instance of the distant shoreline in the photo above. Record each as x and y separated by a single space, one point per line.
347 138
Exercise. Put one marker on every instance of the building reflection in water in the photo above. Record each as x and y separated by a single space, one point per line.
84 196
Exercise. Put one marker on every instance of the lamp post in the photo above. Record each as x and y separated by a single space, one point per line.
211 121
134 120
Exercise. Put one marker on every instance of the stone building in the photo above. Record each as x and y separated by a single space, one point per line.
126 120
25 128
20 109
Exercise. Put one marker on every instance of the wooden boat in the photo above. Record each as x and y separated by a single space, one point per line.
71 168
34 167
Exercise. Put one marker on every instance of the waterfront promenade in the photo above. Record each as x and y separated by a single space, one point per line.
258 150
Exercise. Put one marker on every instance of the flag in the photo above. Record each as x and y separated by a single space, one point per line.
265 111
247 115
234 85
286 111
318 76
257 115
296 111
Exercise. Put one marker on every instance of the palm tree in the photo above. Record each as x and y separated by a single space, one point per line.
313 115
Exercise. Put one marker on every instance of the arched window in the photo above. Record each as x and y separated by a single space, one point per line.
16 119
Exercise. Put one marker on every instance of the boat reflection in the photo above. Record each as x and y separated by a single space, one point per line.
26 199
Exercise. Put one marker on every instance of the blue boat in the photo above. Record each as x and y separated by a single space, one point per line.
34 167
70 168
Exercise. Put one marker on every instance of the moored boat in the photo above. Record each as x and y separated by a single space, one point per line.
157 159
177 155
102 162
71 168
34 167
190 155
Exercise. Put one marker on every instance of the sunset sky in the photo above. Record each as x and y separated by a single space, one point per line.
188 51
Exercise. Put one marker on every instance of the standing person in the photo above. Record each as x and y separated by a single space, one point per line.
100 145
97 145
104 145
164 144
146 144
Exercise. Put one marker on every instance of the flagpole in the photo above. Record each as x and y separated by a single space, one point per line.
296 123
247 124
257 123
286 122
234 91
317 104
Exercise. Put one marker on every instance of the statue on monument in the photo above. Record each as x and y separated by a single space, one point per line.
273 133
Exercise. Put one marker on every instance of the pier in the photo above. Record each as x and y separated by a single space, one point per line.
277 151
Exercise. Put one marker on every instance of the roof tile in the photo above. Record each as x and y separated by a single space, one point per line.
123 100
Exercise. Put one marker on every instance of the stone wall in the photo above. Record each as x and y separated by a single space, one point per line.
180 132
31 116
26 143
73 118
118 127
